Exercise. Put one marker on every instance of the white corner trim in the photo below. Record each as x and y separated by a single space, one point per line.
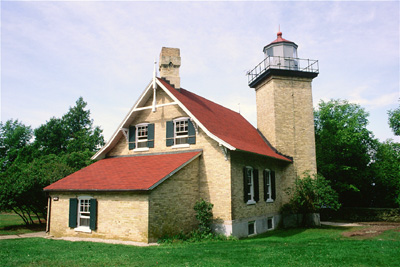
270 200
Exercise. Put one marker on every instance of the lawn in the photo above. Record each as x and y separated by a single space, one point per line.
297 247
12 224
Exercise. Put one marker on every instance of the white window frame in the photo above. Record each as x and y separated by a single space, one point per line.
251 201
146 148
176 136
83 228
269 186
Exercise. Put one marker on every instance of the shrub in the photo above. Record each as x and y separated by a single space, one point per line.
310 195
204 216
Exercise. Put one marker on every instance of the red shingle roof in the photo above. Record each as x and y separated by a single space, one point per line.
125 173
224 123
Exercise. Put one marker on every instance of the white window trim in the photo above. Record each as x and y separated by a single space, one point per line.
137 148
251 201
181 136
141 149
81 228
269 200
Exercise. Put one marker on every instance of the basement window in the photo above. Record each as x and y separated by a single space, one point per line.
270 223
251 228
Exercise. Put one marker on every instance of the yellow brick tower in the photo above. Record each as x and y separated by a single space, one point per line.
282 83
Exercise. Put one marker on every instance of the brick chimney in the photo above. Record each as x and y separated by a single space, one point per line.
169 63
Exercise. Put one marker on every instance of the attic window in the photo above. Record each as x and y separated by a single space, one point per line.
141 133
141 136
180 133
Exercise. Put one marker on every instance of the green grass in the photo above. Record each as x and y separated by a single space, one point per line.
296 247
12 224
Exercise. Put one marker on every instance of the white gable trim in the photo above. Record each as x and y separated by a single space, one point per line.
136 107
198 123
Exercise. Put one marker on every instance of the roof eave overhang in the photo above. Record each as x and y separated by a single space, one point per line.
286 159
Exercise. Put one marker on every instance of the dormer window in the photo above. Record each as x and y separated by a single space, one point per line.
180 133
141 136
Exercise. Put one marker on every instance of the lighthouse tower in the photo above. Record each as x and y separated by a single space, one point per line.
282 82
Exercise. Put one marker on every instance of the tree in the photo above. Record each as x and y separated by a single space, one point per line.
386 179
394 120
73 132
22 185
61 147
344 147
14 136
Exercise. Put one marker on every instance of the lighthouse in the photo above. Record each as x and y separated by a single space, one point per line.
282 82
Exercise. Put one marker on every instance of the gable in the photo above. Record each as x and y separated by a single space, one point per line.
228 128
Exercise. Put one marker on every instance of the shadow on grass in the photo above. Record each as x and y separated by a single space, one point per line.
21 229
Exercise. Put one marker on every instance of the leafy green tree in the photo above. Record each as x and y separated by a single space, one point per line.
72 133
386 180
344 147
61 147
22 185
14 136
394 120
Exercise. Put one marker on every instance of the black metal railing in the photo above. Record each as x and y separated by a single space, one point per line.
283 63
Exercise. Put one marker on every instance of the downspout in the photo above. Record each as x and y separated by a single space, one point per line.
48 214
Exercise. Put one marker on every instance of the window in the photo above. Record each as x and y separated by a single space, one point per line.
269 186
250 185
141 136
180 133
251 228
270 223
83 213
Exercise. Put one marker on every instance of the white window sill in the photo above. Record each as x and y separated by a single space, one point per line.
251 202
141 149
180 146
85 229
269 200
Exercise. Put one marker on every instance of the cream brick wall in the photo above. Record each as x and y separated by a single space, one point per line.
214 170
240 209
285 117
120 215
171 203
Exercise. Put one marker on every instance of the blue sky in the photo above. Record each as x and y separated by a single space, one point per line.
53 52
